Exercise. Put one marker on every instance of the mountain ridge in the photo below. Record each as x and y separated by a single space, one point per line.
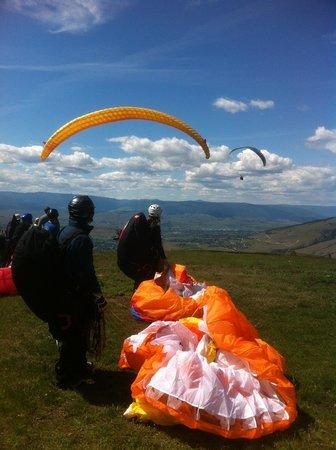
185 224
36 201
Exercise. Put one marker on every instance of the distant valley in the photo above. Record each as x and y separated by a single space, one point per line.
313 238
198 224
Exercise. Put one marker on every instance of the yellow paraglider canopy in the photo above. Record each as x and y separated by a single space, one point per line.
114 115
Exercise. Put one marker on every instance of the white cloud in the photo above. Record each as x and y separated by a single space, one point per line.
235 106
248 163
68 15
79 160
313 184
323 139
229 105
168 168
304 108
305 184
164 154
9 154
262 104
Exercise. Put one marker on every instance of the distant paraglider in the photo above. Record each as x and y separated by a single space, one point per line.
114 115
255 150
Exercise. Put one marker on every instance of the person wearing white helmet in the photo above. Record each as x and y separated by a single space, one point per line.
155 211
140 252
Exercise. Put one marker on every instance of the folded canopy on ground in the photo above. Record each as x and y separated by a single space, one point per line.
171 296
214 374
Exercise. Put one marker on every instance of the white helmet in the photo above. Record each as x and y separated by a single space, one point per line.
155 211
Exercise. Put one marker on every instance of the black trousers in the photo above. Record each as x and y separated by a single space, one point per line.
72 331
69 317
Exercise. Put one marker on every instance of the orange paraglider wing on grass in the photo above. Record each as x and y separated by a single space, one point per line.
214 374
156 300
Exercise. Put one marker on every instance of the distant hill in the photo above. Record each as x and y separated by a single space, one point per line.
188 224
36 202
325 248
316 238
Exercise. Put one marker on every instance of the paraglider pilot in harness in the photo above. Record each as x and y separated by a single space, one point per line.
140 252
57 280
86 300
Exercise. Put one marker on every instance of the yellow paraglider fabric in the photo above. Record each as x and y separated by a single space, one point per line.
145 412
114 115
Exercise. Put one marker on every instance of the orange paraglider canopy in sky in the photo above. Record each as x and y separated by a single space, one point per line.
114 115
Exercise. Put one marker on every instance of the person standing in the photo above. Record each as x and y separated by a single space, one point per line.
83 312
45 217
56 278
52 225
7 241
25 223
140 252
11 226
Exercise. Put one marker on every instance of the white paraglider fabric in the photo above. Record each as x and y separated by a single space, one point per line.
225 388
193 289
172 335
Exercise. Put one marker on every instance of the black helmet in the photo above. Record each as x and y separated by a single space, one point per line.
81 207
27 218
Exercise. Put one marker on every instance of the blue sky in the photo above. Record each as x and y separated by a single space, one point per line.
241 72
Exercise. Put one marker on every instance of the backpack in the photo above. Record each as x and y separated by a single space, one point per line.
134 242
37 269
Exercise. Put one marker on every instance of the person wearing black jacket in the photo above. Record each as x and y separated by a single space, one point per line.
7 239
85 301
45 217
50 215
24 225
140 252
11 226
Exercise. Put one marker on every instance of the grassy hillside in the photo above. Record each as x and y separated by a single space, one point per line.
325 248
290 299
286 239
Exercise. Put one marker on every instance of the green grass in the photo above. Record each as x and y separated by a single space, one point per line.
290 299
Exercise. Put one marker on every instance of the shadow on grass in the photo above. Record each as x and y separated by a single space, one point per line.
114 388
202 440
108 388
